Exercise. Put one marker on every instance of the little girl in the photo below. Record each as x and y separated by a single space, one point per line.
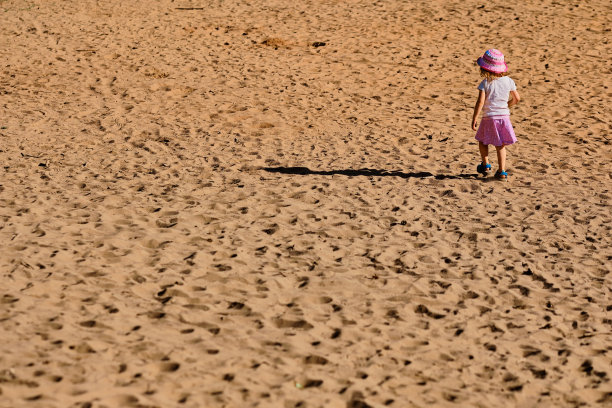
495 127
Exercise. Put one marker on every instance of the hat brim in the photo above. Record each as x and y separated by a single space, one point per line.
492 68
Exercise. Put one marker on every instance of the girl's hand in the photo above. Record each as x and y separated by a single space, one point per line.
514 98
477 108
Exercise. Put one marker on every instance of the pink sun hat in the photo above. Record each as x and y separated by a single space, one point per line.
493 61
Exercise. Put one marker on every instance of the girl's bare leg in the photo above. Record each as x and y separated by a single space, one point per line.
501 157
484 152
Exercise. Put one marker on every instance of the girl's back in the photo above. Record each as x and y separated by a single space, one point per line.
497 93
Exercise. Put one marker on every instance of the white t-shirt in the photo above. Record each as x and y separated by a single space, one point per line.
497 93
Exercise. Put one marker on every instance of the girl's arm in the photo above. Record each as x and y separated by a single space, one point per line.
478 108
515 98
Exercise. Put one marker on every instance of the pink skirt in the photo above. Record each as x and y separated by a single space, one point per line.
496 131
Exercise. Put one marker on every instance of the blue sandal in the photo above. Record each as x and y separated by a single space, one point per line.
483 168
501 175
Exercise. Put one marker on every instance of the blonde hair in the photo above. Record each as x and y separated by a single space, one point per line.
491 76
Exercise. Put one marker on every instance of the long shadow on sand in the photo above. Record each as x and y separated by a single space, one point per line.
366 172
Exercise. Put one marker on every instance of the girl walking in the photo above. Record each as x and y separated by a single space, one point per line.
493 100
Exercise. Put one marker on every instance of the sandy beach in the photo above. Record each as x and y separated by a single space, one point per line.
275 204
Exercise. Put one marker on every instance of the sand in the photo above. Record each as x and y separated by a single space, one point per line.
275 204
